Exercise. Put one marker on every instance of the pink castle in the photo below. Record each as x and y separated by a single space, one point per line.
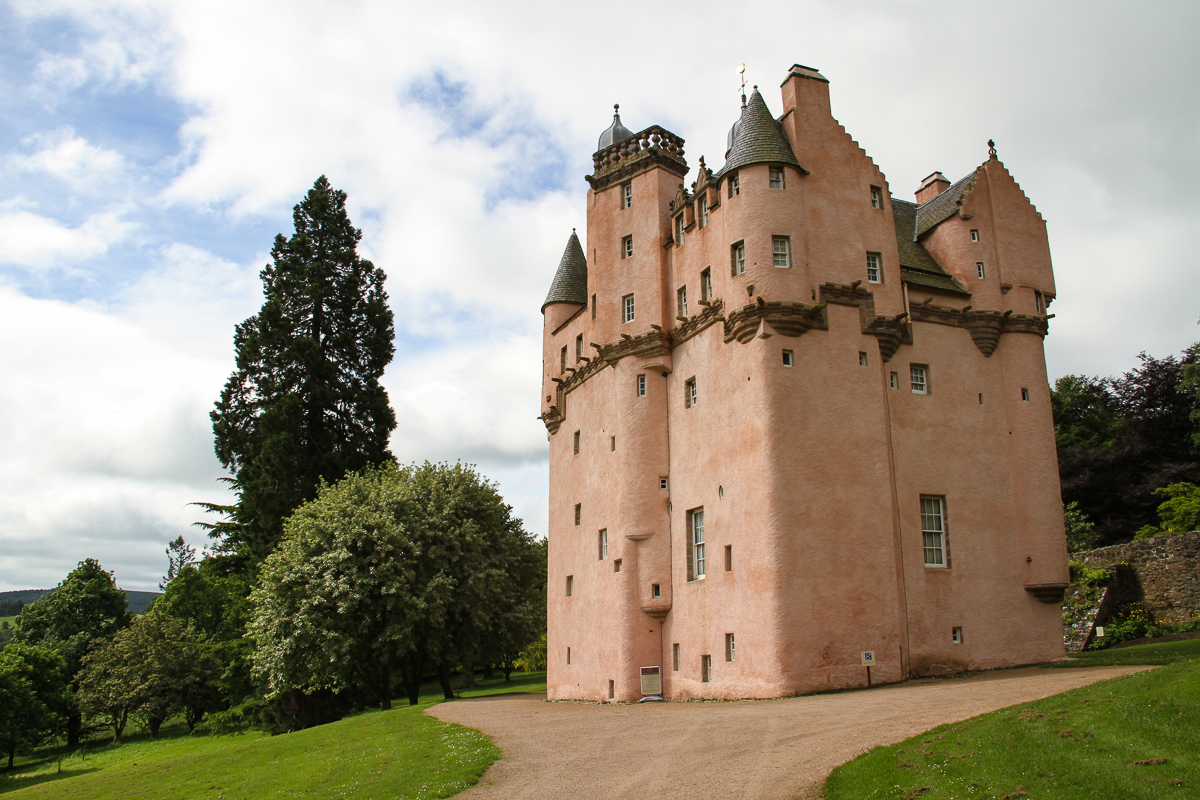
794 421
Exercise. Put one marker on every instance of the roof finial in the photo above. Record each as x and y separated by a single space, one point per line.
616 109
572 231
991 149
742 72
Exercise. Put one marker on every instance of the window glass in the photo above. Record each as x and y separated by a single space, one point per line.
776 177
918 378
780 251
627 307
933 531
874 268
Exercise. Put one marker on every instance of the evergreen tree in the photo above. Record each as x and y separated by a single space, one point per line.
305 403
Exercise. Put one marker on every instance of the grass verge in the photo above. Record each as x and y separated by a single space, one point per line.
1129 737
378 754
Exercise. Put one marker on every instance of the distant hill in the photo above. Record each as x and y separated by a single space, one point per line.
137 602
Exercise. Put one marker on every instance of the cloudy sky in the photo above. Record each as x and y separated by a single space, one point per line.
150 151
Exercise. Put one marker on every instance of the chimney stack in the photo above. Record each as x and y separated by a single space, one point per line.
931 187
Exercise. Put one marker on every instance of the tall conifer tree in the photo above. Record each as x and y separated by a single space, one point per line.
305 403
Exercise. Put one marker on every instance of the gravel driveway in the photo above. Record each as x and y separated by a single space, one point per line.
744 749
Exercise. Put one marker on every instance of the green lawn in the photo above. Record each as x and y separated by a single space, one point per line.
1129 737
380 754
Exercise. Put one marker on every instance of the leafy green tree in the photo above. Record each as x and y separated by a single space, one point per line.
1180 513
1085 413
305 403
87 606
389 573
1081 532
33 697
1191 383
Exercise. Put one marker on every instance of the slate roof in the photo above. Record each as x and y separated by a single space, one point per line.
918 267
570 282
945 205
757 139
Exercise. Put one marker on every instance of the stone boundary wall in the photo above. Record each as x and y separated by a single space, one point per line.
1167 568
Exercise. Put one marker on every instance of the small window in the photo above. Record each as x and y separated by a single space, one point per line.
706 285
933 531
675 656
735 185
612 444
578 512
627 308
1039 302
690 396
655 591
730 652
579 348
603 543
695 545
626 195
781 251
641 387
562 360
576 444
895 380
679 230
570 588
981 398
681 298
663 484
706 669
956 635
862 359
874 268
737 259
974 236
627 247
612 689
979 268
876 197
788 358
919 377
776 177
593 306
568 656
1024 395
729 558
616 565
704 212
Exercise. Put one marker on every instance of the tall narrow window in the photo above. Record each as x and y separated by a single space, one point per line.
704 211
1039 302
679 230
862 359
919 377
562 360
730 652
627 195
1024 395
729 558
612 444
979 268
681 296
706 285
578 512
695 552
603 543
579 348
675 656
627 308
974 236
655 591
641 385
874 268
612 689
895 380
737 256
933 531
690 395
627 247
876 197
706 669
593 306
776 178
781 251
576 442
568 656
570 586
789 358
735 186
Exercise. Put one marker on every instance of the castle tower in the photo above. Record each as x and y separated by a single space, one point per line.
793 419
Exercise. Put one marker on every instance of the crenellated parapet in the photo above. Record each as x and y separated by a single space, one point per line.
653 147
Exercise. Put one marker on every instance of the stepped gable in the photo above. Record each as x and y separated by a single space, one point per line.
945 205
570 281
756 138
918 267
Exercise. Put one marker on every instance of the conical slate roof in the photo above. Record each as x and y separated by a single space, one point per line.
756 138
615 132
570 282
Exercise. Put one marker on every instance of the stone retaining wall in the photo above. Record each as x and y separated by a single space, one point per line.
1167 570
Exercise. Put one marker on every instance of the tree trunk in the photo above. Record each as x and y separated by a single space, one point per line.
444 679
74 728
12 754
466 678
487 671
507 672
411 676
385 688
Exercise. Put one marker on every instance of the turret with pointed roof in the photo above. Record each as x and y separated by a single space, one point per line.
756 138
570 281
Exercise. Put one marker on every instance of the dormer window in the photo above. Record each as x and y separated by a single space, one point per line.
735 186
876 197
626 195
776 177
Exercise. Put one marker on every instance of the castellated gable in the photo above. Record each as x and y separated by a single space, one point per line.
793 420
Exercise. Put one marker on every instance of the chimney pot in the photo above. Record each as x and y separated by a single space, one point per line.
931 187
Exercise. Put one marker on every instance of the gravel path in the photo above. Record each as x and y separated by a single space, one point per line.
745 749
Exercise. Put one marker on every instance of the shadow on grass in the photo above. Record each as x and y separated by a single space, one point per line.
14 781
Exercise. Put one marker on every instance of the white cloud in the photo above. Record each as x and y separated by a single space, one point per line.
38 242
70 158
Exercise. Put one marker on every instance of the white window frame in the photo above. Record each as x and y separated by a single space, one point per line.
627 309
918 377
735 185
775 177
681 298
626 195
706 669
663 484
679 230
1039 302
974 234
706 290
627 247
876 197
894 379
691 395
562 360
641 386
737 258
602 538
781 251
979 268
704 211
933 532
874 268
695 544
789 358
730 648
579 348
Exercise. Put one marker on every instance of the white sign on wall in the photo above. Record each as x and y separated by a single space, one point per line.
868 658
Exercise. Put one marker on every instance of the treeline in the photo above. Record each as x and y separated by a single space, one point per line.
337 580
1129 450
